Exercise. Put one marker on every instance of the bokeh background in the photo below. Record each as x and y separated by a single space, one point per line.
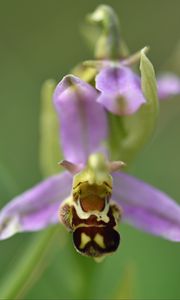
40 40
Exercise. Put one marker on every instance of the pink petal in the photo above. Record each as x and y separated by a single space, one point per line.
82 120
147 208
120 90
36 208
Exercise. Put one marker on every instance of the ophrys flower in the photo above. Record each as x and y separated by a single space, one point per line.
121 195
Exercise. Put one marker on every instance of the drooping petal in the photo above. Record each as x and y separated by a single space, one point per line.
168 85
120 90
35 208
147 208
82 119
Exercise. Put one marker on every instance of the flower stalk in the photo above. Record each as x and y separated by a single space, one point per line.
17 283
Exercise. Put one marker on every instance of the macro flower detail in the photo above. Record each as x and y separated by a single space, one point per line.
89 212
93 195
91 202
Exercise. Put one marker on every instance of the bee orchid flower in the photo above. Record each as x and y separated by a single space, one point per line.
114 78
92 195
119 86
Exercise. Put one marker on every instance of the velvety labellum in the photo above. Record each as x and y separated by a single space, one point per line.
93 219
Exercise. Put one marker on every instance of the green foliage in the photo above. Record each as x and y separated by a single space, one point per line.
18 281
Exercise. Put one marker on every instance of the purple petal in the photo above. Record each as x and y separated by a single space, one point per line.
82 119
168 85
120 90
147 208
35 208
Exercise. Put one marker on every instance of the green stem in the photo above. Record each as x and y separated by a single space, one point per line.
16 281
88 268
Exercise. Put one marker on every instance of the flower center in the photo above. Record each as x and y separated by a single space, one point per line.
92 203
89 212
93 219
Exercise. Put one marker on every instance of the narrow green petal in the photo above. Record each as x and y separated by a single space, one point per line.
148 83
50 152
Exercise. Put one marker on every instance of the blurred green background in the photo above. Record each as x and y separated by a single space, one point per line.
39 40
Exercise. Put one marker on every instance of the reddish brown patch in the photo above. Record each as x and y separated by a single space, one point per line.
92 203
92 220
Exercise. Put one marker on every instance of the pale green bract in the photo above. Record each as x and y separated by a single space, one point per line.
49 146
